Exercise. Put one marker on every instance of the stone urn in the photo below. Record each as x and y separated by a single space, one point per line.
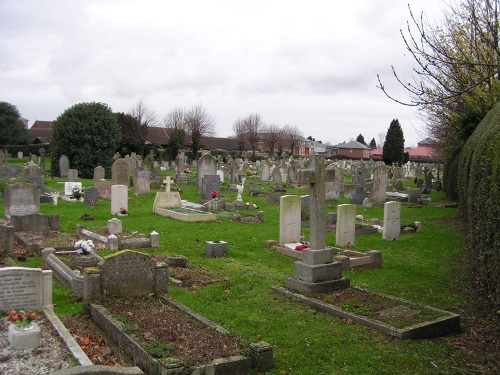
85 261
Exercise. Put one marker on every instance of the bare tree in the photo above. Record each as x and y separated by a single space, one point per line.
292 136
456 78
144 116
253 128
174 123
272 137
198 124
240 134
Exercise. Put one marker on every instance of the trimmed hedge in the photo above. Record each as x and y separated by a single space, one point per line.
28 149
479 196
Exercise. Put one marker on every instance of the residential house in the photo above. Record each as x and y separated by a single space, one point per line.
353 150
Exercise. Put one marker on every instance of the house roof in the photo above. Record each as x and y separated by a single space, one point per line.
157 135
353 145
42 125
41 135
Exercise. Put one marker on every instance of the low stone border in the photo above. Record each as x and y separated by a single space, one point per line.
166 366
446 324
195 216
61 271
100 370
112 243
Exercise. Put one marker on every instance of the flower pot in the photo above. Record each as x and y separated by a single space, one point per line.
84 261
22 338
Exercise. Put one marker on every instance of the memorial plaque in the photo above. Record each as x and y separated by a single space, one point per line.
165 199
25 288
90 196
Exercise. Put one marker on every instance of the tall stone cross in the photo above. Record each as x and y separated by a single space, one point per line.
316 176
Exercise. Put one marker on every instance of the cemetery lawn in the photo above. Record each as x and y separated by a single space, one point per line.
432 268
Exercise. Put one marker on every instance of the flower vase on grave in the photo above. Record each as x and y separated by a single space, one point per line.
85 261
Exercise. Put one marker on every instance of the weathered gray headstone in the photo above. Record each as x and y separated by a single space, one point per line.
63 166
333 188
103 187
207 165
90 196
141 185
21 200
380 175
120 172
265 174
99 173
414 195
114 226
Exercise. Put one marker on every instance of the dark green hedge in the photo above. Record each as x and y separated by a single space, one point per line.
479 195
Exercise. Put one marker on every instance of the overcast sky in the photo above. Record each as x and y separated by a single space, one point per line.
312 63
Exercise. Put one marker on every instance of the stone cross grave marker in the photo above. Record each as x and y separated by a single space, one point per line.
119 198
21 200
392 226
168 181
25 288
290 219
346 225
316 177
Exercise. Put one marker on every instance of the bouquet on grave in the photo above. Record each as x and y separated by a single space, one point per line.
214 193
84 247
22 318
77 193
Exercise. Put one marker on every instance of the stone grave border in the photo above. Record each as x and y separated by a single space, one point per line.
262 353
195 216
350 259
61 271
112 243
448 323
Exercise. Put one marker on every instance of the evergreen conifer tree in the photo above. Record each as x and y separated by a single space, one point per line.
394 146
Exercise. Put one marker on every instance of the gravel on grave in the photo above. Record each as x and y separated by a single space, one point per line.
51 356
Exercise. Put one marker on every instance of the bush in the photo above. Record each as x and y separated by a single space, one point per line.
28 149
479 197
88 135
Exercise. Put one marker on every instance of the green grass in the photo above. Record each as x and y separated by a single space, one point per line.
421 267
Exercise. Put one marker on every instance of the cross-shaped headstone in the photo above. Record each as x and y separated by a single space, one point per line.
316 176
167 183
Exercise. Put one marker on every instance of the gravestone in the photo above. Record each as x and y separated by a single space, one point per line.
72 175
141 185
114 226
333 188
21 200
120 172
265 174
276 176
42 152
69 186
346 225
392 226
25 288
63 166
360 194
220 173
90 196
317 272
209 183
3 160
119 198
414 195
132 274
207 165
104 188
99 173
289 219
380 175
167 199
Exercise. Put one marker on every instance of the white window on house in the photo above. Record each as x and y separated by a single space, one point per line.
350 150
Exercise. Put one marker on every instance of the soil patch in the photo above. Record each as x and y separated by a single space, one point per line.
167 332
378 307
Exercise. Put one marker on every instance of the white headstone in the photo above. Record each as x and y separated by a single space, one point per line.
392 226
119 198
69 186
167 199
346 225
289 219
25 288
